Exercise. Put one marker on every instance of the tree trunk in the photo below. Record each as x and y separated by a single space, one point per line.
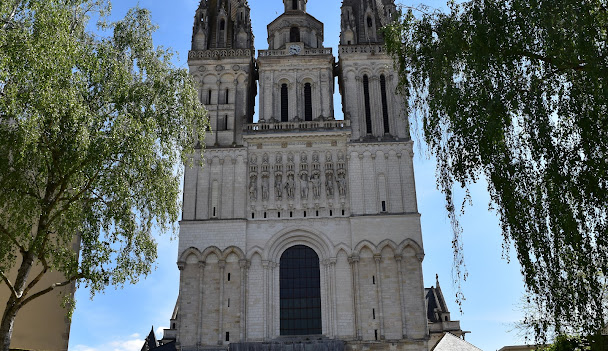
8 320
14 303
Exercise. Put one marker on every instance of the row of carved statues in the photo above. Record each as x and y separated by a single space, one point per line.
312 183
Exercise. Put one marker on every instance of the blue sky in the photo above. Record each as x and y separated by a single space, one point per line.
118 320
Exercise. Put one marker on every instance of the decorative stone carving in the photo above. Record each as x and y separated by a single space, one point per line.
279 158
329 183
316 184
253 187
290 186
265 187
341 182
304 186
278 186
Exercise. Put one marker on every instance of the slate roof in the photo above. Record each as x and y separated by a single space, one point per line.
451 343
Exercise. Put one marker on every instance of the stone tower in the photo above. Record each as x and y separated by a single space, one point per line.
222 63
299 228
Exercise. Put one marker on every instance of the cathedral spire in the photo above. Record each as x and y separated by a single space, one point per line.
295 5
362 20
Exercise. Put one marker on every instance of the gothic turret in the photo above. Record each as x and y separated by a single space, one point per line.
367 80
295 5
222 24
222 63
362 19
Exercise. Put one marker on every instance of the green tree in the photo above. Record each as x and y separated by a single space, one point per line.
516 92
92 132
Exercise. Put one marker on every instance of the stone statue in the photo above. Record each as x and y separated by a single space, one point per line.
342 183
290 186
316 185
290 158
303 158
279 158
278 186
304 186
315 157
329 184
253 187
265 185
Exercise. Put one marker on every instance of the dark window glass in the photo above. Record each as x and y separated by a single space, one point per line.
300 292
294 34
368 111
284 103
307 102
384 104
294 5
222 25
369 22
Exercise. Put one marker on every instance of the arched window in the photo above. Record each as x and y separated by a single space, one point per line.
300 292
284 103
370 22
294 5
384 104
222 34
294 34
368 110
307 102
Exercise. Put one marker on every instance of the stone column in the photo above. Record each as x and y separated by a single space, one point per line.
376 105
404 198
222 265
243 264
180 313
334 298
354 264
326 308
265 282
199 329
273 310
379 295
399 260
361 110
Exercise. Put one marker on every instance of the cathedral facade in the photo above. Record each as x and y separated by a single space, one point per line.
299 227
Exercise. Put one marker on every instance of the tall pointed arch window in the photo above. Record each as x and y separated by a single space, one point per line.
284 103
307 102
368 110
222 33
294 34
384 104
300 292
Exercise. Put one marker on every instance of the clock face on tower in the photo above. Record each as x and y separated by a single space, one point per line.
294 49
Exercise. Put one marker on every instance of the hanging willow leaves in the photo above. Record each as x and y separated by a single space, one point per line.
92 131
516 91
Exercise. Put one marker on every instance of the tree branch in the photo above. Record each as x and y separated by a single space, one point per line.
51 288
38 277
9 284
6 233
12 15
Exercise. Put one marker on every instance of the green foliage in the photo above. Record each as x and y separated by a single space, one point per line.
92 132
516 92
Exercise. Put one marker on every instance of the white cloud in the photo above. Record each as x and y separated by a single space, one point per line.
159 332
